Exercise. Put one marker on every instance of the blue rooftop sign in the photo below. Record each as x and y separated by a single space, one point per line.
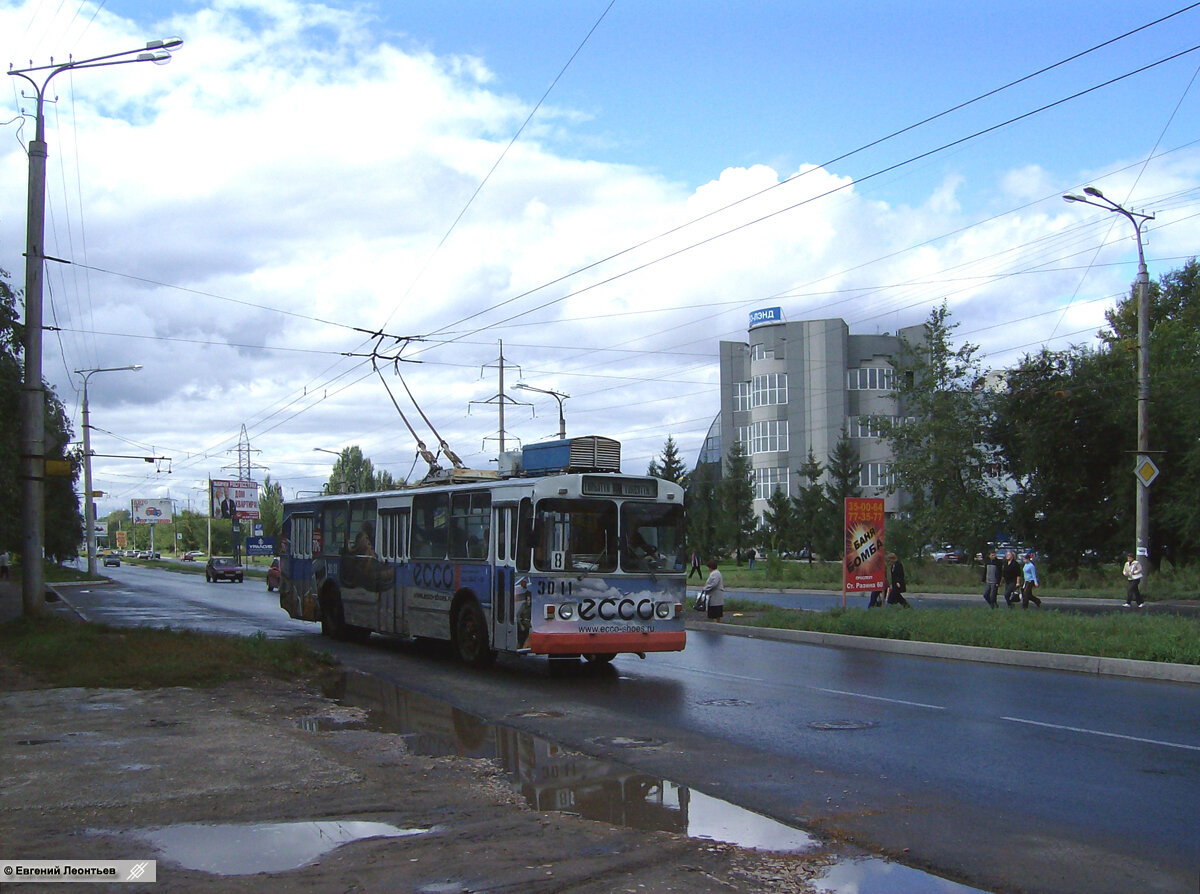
766 315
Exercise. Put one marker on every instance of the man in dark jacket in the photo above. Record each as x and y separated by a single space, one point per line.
993 574
897 584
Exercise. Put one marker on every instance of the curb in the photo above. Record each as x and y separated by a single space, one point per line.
1084 664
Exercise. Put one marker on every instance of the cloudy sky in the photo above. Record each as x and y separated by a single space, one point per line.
607 188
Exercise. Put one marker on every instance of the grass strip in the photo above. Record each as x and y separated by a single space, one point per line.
1135 635
60 652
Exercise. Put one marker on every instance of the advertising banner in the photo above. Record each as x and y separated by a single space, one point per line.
864 568
233 499
260 546
150 512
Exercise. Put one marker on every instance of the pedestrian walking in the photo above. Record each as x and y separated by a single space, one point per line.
993 573
876 599
1133 573
751 555
1011 572
4 565
1029 583
713 592
695 566
897 584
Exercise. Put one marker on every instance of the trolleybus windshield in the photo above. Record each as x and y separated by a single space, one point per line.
652 537
575 535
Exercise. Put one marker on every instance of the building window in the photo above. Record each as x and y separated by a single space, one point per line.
876 475
767 481
768 436
769 390
872 378
759 352
866 426
741 397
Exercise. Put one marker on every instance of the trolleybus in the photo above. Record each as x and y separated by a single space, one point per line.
561 555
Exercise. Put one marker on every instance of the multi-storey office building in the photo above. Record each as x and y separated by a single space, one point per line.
795 386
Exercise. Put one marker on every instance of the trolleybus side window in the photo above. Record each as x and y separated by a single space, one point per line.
301 537
524 534
362 528
470 523
651 537
336 530
575 535
430 526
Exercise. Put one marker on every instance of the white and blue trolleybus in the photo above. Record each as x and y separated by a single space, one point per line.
559 555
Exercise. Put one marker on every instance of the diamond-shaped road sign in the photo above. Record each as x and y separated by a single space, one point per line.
1145 470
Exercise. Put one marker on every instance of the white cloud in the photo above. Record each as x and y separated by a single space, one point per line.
291 158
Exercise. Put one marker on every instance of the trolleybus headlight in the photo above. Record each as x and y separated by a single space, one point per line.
663 610
566 611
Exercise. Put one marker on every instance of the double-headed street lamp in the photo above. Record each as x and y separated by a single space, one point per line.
33 423
559 396
1145 468
89 514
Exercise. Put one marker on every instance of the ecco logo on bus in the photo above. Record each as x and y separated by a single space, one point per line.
611 609
439 577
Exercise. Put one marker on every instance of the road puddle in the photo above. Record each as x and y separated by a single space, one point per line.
871 875
551 777
249 848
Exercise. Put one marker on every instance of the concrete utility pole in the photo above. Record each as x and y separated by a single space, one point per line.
89 514
1145 469
33 422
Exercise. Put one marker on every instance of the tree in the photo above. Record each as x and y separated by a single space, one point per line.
779 522
1063 426
352 473
737 499
704 510
941 460
811 507
61 510
844 471
671 467
270 508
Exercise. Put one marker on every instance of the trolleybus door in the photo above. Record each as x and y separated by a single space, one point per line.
504 623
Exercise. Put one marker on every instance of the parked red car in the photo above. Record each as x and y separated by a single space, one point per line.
273 576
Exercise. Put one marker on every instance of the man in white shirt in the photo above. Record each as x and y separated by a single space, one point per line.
1133 573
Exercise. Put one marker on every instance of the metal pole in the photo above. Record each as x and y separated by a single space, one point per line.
89 512
1142 516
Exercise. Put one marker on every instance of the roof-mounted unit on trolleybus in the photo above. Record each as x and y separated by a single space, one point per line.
561 555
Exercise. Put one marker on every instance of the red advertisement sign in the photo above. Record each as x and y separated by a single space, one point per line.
864 568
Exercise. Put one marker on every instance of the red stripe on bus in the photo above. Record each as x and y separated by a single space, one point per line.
585 643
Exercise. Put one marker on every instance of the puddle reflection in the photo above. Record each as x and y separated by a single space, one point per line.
551 777
245 849
874 876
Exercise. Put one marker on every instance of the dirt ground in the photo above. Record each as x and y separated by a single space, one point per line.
98 774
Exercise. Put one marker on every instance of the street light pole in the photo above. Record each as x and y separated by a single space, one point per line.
89 513
33 423
333 452
557 395
1142 507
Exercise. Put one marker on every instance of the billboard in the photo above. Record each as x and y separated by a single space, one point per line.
864 567
232 499
150 512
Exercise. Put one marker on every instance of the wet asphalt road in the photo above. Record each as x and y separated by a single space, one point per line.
1004 778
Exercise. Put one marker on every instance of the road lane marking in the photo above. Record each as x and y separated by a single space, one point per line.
880 698
1096 732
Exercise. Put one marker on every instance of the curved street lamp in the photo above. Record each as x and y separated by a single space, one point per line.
1097 199
557 395
89 513
33 423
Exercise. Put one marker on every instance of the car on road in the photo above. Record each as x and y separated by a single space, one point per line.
273 576
112 559
223 568
190 556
